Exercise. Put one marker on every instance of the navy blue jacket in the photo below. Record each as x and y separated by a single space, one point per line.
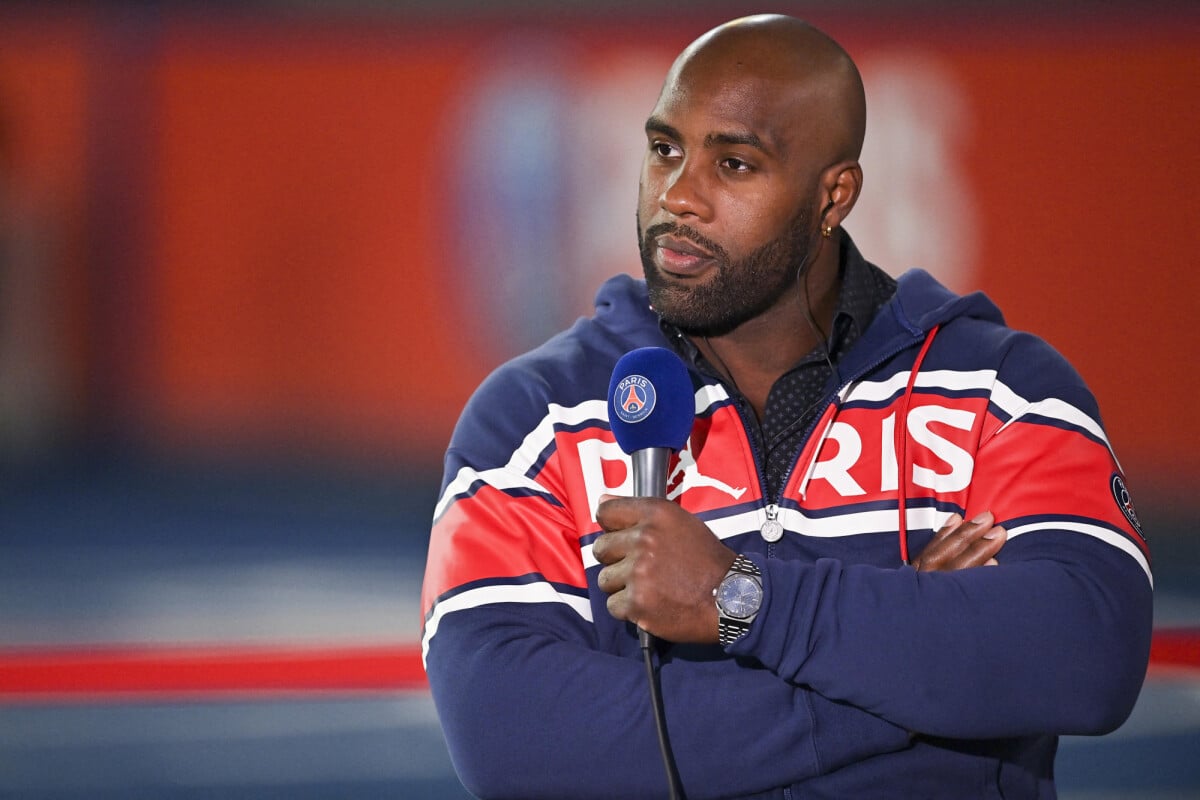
860 677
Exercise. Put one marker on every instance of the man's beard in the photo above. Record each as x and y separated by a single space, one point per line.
740 291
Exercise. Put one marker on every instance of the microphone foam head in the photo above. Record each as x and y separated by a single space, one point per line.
651 402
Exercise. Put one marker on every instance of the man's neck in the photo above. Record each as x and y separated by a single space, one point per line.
756 354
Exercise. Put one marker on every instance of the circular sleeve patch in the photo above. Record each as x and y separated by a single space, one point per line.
1125 503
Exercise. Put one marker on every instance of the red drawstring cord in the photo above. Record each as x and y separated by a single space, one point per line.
901 433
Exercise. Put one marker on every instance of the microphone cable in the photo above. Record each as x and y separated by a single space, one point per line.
674 791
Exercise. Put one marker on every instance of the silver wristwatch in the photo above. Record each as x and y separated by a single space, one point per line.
739 596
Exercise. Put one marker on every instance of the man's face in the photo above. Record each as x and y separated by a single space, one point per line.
725 213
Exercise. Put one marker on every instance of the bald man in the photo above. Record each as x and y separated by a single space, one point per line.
828 626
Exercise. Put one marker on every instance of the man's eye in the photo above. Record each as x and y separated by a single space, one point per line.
736 164
664 150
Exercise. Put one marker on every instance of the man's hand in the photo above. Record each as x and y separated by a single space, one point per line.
661 565
959 545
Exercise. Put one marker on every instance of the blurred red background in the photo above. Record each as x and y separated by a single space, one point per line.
255 256
258 227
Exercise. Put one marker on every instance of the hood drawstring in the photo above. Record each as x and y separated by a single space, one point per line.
901 432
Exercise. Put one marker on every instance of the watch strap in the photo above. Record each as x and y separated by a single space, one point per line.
746 567
729 630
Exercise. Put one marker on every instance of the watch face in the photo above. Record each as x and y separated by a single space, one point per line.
739 596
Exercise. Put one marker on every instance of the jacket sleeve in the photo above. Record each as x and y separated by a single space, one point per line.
1054 640
536 700
530 710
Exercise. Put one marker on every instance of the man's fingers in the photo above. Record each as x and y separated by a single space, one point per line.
617 605
952 522
983 548
612 579
609 548
609 513
958 544
981 522
950 542
615 513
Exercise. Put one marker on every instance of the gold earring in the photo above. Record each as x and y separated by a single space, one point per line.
827 231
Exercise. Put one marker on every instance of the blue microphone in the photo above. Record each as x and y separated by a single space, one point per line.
651 406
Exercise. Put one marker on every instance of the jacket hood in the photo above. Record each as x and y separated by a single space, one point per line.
922 302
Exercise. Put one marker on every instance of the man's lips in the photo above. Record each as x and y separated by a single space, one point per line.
681 256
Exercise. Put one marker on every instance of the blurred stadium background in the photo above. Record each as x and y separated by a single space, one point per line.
253 258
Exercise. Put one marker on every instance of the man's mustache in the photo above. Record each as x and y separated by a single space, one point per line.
683 232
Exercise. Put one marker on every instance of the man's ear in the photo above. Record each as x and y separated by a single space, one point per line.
840 187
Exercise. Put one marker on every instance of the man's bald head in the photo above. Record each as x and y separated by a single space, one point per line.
816 83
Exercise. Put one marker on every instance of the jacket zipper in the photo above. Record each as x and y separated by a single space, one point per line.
773 526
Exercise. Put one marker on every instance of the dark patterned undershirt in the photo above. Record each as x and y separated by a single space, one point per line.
798 396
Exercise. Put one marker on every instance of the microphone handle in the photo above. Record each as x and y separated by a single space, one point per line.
650 472
650 480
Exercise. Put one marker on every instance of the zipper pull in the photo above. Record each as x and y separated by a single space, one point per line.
772 529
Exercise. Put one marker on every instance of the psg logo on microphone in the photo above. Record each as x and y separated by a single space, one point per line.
634 398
